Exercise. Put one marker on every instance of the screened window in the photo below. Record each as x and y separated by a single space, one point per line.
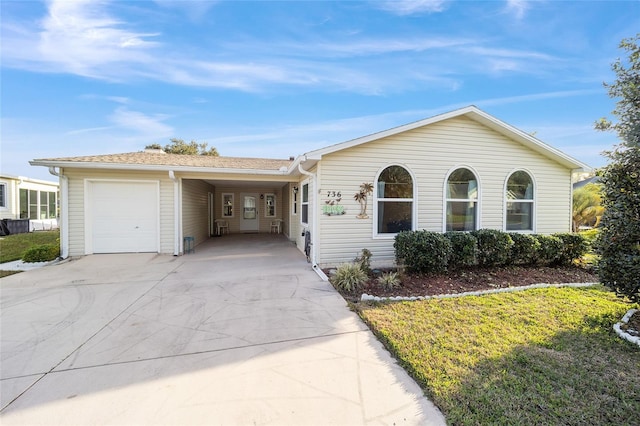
227 205
394 200
462 201
519 202
270 205
304 207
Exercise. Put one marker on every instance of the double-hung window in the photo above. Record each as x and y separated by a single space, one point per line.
519 199
394 200
462 201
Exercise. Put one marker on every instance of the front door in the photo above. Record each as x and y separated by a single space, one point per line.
249 214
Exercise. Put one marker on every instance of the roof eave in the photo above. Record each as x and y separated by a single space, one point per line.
154 167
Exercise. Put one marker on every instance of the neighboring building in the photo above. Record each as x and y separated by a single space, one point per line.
22 198
462 170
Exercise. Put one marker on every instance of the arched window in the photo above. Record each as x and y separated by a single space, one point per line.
519 202
394 195
462 201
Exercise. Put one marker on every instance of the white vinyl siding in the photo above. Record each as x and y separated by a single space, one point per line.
195 209
76 201
430 153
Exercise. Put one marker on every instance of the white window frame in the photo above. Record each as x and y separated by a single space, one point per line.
531 201
266 205
477 200
3 195
376 199
304 203
294 198
222 213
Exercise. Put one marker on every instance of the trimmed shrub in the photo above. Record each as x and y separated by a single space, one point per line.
574 246
494 247
41 253
590 236
464 249
349 277
389 280
422 251
524 250
550 249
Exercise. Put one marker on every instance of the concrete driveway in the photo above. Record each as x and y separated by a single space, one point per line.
241 332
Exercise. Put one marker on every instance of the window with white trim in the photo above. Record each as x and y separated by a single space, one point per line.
36 204
295 201
304 206
394 200
270 205
227 205
3 195
462 201
519 204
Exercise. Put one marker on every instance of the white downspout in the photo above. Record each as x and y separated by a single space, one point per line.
64 211
177 220
314 224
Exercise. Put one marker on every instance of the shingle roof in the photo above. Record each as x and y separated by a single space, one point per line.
163 159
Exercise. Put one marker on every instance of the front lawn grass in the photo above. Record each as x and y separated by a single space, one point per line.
544 356
13 246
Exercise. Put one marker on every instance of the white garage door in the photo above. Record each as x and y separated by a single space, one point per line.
122 217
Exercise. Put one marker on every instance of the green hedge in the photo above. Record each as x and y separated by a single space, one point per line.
574 246
41 253
494 247
422 251
425 251
524 250
550 249
464 249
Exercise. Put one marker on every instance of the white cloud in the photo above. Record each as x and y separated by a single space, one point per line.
411 7
81 37
143 124
517 8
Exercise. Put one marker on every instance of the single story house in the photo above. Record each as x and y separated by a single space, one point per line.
32 202
461 171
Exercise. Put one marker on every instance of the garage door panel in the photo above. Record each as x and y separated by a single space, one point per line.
124 216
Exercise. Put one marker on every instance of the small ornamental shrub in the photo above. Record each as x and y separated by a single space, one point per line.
422 251
349 277
574 246
41 253
389 280
550 249
524 250
464 249
590 236
364 260
494 247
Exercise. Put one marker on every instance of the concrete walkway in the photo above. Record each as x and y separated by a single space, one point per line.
241 332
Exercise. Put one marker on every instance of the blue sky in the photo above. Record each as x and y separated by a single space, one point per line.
277 79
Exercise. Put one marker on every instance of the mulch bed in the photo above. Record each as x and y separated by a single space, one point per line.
475 279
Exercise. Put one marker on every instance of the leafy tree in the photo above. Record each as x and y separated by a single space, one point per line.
179 146
587 208
619 239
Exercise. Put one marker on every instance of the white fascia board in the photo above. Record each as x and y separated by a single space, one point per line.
154 167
